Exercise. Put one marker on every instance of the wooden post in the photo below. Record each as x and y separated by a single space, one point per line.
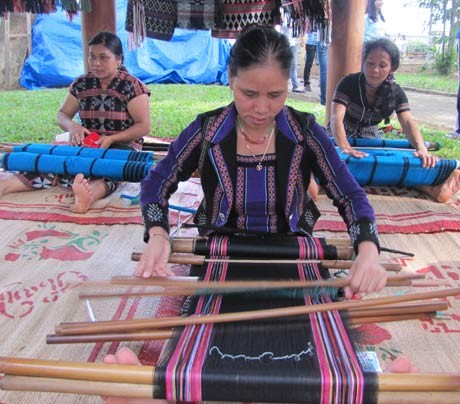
7 54
102 17
345 49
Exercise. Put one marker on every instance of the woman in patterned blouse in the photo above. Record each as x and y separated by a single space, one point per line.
363 100
110 102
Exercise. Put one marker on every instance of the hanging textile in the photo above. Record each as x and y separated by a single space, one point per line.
43 6
306 359
117 170
192 14
397 168
237 14
64 150
160 18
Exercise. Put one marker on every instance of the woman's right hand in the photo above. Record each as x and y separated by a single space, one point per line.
353 152
154 260
77 134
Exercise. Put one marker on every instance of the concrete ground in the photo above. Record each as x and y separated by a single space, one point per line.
430 109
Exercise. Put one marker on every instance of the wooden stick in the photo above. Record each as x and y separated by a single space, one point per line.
169 287
141 374
147 335
168 322
81 387
396 312
390 319
141 335
191 259
77 370
129 390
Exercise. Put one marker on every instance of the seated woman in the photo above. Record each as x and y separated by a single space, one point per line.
363 100
255 158
109 101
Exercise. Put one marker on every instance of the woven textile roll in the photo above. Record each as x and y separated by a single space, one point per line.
396 168
307 359
64 150
269 246
385 143
117 170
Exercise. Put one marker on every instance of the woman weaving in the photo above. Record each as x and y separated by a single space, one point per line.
255 159
110 102
362 100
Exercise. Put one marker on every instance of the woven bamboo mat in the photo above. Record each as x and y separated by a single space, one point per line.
398 210
39 259
122 207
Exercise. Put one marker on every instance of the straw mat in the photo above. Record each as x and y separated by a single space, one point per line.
54 204
41 262
398 210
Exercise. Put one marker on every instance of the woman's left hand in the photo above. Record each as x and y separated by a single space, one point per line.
366 273
428 160
104 142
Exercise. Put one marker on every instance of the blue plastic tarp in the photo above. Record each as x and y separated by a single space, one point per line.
191 57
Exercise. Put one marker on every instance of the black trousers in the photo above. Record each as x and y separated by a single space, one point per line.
310 51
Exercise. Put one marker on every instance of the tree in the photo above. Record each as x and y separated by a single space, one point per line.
448 13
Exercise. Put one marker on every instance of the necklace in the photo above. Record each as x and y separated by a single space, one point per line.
259 165
259 140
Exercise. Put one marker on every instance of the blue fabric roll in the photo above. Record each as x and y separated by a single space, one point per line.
65 150
118 170
386 143
398 168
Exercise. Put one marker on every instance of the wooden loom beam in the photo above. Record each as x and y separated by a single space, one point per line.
23 374
192 259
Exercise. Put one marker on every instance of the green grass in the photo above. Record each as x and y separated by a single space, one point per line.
427 81
29 116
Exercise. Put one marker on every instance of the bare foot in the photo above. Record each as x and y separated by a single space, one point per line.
83 194
127 357
445 191
11 184
402 364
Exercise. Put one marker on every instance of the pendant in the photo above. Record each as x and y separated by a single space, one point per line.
259 167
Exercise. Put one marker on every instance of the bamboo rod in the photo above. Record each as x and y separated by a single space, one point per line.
390 319
191 259
142 335
87 371
167 322
389 313
127 390
77 370
195 288
81 387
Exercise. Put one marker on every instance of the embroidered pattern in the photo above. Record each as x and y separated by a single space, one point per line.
265 356
154 213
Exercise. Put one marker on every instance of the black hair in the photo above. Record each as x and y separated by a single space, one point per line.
255 45
372 12
388 46
110 41
386 94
